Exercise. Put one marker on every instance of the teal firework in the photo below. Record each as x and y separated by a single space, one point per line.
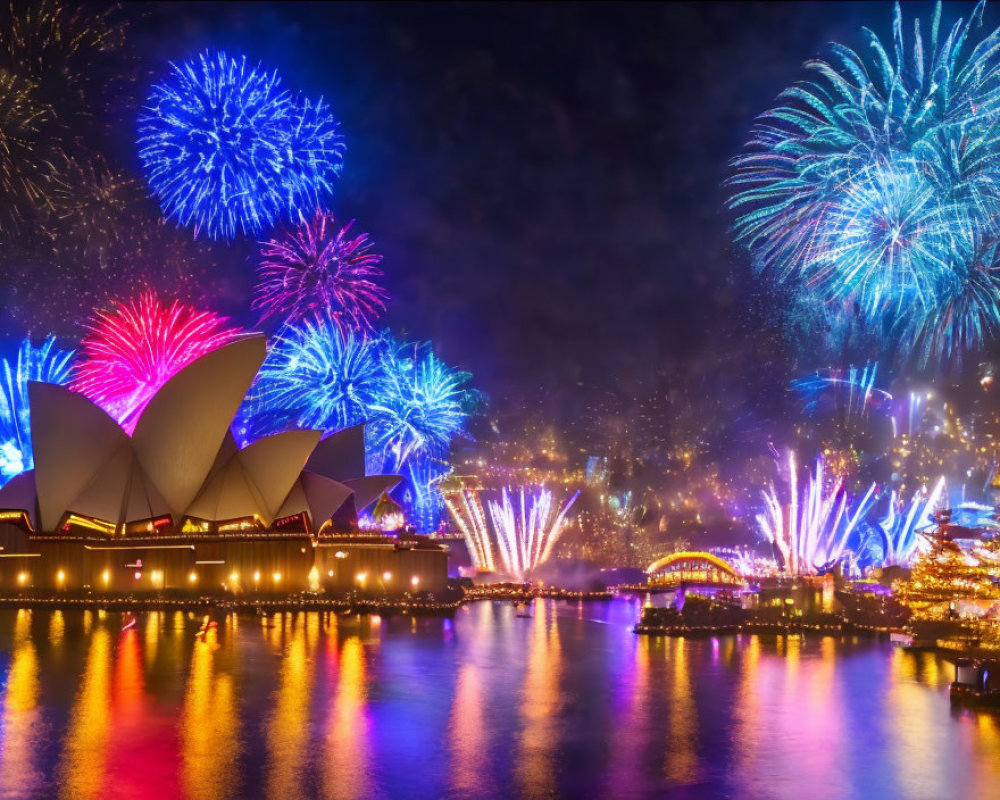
874 186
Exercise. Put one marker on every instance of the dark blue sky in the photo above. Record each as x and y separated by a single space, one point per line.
543 179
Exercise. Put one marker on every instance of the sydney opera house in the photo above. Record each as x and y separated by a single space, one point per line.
177 506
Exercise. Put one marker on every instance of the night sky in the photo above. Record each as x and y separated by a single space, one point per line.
543 180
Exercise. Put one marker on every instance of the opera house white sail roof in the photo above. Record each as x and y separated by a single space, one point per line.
182 462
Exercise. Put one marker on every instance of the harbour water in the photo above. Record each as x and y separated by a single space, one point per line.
567 703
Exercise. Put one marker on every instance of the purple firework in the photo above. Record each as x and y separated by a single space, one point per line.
320 267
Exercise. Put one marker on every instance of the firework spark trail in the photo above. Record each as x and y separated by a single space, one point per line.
422 497
46 364
319 267
527 532
854 393
228 151
131 351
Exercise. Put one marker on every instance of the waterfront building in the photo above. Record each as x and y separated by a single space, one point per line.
179 506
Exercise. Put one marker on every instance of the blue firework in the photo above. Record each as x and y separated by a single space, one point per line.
421 495
875 185
315 376
421 407
45 363
228 151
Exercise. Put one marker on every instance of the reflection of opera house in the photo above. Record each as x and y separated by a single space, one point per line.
178 506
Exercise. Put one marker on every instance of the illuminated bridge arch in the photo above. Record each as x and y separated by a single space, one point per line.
703 569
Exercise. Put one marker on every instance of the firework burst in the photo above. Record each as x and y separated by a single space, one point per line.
26 173
421 407
228 151
873 185
130 352
315 376
320 267
46 364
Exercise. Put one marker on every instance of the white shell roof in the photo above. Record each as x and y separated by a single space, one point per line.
182 459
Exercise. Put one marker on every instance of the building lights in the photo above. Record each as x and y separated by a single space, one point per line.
387 576
277 577
340 554
234 576
414 581
138 575
361 577
22 578
256 577
106 577
60 576
192 577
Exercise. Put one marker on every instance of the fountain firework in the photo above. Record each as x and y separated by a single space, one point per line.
901 526
810 530
527 530
467 510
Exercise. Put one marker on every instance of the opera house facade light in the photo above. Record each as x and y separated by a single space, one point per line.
178 505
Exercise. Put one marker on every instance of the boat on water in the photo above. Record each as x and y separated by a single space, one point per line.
129 621
207 624
522 608
977 683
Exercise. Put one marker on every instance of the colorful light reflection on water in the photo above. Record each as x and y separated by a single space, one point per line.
568 703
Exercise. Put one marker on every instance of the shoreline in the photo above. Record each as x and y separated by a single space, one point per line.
342 605
380 606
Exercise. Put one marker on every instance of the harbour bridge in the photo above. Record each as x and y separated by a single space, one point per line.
692 569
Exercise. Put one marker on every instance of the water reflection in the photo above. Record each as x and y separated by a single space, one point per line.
682 754
539 706
469 724
19 774
347 752
288 732
84 757
210 723
489 705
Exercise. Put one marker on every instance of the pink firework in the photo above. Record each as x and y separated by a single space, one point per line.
320 267
130 352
